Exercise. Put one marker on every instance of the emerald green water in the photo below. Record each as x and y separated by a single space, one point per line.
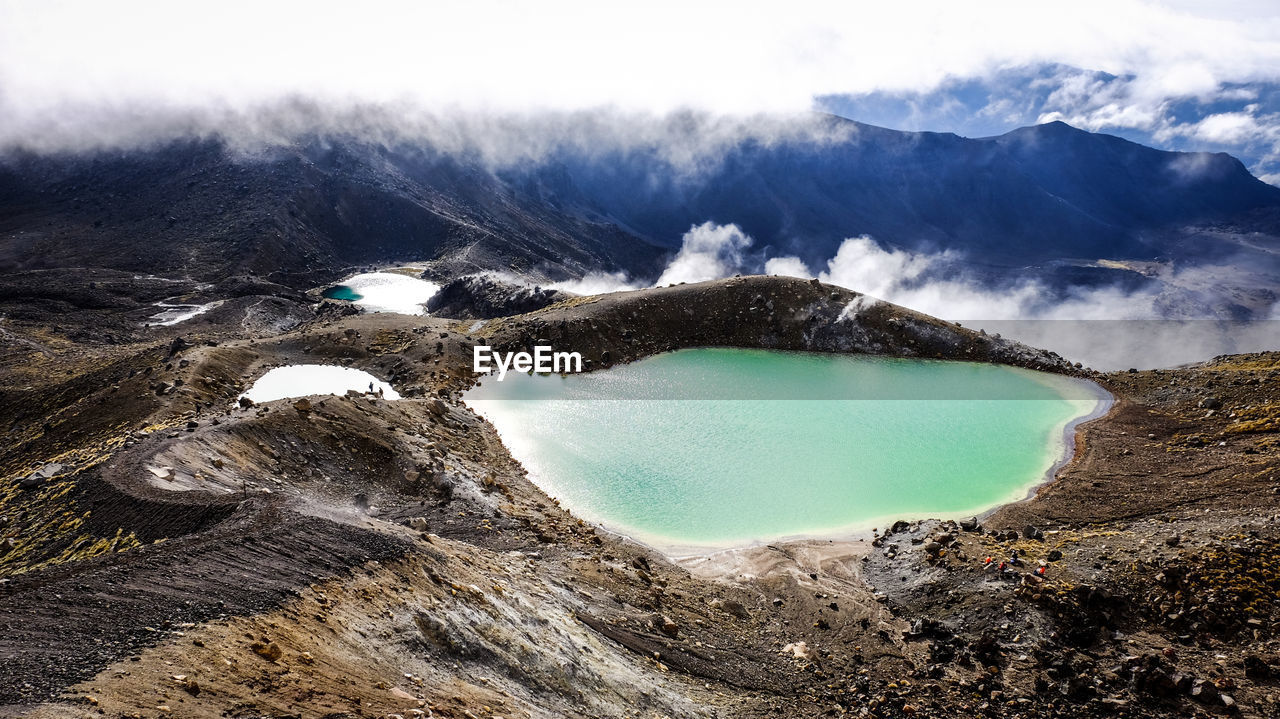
723 447
341 292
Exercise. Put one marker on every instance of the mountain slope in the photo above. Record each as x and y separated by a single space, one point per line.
1037 193
298 214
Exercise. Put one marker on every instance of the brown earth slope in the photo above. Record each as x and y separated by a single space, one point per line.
361 557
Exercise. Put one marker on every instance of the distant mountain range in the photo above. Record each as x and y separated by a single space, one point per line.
1048 200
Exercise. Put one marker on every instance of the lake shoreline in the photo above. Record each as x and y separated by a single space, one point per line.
1061 454
321 547
839 552
1104 402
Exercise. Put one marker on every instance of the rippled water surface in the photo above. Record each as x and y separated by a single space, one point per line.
720 447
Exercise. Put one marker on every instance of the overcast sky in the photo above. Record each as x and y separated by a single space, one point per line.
734 57
63 62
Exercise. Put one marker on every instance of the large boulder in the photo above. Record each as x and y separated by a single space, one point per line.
40 476
485 296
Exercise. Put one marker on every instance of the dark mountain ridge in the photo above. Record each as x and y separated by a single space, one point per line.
301 214
297 216
1037 193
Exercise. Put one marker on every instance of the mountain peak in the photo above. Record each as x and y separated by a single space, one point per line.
1027 197
1056 129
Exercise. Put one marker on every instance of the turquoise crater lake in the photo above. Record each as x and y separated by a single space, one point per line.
707 448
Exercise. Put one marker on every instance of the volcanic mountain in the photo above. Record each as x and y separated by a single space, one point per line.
1048 200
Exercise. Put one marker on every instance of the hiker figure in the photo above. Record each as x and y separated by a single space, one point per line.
1004 567
1013 559
988 563
1040 571
370 388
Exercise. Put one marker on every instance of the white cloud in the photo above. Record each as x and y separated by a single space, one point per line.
523 56
1106 328
508 81
1081 323
598 283
787 267
1227 127
686 141
933 284
1230 128
707 252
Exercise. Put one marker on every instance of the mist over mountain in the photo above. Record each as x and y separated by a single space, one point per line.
1047 202
1239 118
1033 195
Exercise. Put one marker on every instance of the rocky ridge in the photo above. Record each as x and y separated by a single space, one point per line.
351 556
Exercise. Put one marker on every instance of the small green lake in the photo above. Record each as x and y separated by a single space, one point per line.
708 448
384 292
341 292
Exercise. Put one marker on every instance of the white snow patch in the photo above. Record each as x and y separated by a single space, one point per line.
313 379
172 314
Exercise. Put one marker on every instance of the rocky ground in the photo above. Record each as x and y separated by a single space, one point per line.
167 552
486 296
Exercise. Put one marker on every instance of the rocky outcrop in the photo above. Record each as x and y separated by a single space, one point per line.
759 312
363 556
485 296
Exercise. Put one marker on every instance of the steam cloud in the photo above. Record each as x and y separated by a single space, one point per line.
711 251
598 283
1106 328
920 281
786 267
708 251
